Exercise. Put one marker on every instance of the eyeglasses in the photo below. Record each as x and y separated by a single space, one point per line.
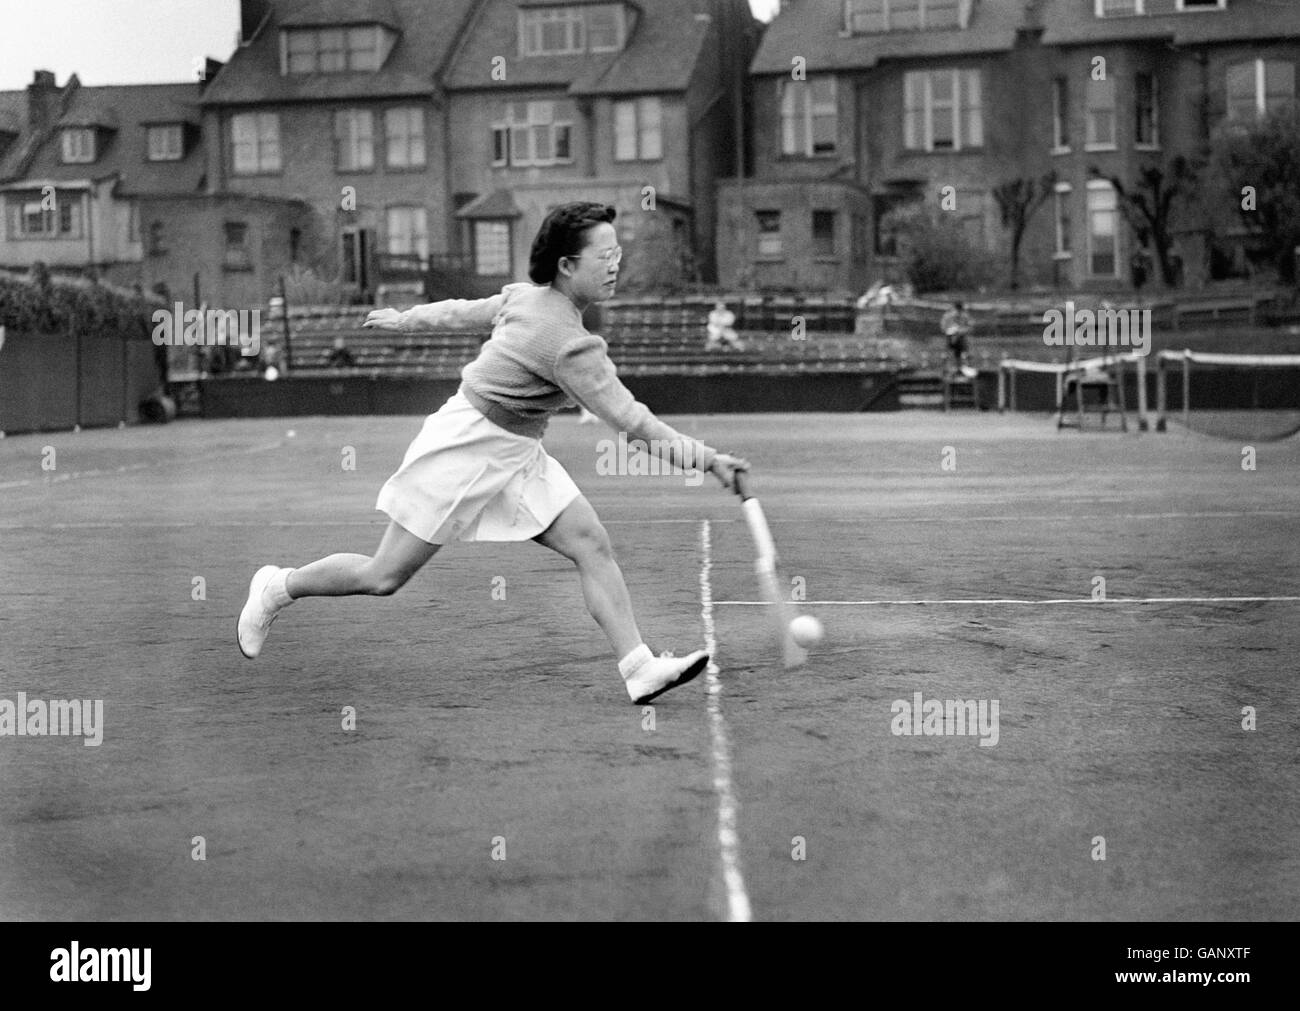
610 257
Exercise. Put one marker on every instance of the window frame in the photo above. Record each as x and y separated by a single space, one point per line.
960 105
1090 111
775 254
475 238
1062 198
537 118
261 144
72 152
410 114
1153 144
347 138
1102 186
418 238
639 126
176 130
799 112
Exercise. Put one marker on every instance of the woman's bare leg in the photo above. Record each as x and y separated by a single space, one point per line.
578 535
400 556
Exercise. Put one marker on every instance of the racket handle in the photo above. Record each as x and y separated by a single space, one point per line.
741 484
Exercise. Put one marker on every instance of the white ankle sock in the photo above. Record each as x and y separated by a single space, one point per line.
634 660
276 594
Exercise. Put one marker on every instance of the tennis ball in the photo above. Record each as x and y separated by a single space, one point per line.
806 630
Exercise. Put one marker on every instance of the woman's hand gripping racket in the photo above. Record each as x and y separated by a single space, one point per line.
782 611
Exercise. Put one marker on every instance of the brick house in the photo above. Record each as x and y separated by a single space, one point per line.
336 103
906 100
109 182
633 104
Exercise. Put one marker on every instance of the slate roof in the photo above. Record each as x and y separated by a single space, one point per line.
814 29
131 107
1073 22
660 54
426 36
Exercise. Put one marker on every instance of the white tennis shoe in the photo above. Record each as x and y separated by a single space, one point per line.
260 610
656 674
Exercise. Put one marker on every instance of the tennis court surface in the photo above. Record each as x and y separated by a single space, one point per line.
496 769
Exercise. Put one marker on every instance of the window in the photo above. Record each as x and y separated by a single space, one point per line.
566 31
1061 199
404 137
638 130
823 233
1118 8
1202 5
1100 132
330 50
256 142
1061 114
1147 125
58 217
408 232
942 110
1258 87
809 117
769 235
492 247
863 16
166 142
354 141
237 246
1103 231
79 146
530 134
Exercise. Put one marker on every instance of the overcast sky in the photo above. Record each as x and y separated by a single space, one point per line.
127 41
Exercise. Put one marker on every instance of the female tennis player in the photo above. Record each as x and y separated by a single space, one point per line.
477 470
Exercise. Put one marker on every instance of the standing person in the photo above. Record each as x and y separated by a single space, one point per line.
478 471
957 326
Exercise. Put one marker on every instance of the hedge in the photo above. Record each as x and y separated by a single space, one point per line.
42 304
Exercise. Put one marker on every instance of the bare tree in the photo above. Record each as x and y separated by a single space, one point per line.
1018 200
1148 207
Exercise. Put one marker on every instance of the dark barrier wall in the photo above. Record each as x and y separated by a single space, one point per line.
38 382
240 397
40 390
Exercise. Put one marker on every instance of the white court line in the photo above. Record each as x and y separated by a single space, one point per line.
737 901
48 479
250 524
1009 600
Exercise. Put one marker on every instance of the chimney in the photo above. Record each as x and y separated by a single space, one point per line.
251 15
42 100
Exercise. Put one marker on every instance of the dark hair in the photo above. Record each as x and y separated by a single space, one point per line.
561 235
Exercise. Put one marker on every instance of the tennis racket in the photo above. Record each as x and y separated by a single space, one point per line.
782 610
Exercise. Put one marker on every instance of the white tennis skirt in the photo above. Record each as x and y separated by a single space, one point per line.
466 478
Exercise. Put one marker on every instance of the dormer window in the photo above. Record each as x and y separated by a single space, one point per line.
866 16
567 31
354 48
166 142
79 145
1120 8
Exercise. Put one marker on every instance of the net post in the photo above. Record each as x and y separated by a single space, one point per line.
1002 386
1142 392
1187 389
1162 396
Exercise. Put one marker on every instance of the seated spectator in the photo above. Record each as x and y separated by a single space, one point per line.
957 326
721 329
340 357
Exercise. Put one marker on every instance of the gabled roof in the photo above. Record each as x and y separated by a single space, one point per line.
13 111
814 29
1074 22
426 35
661 52
318 13
497 204
132 107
